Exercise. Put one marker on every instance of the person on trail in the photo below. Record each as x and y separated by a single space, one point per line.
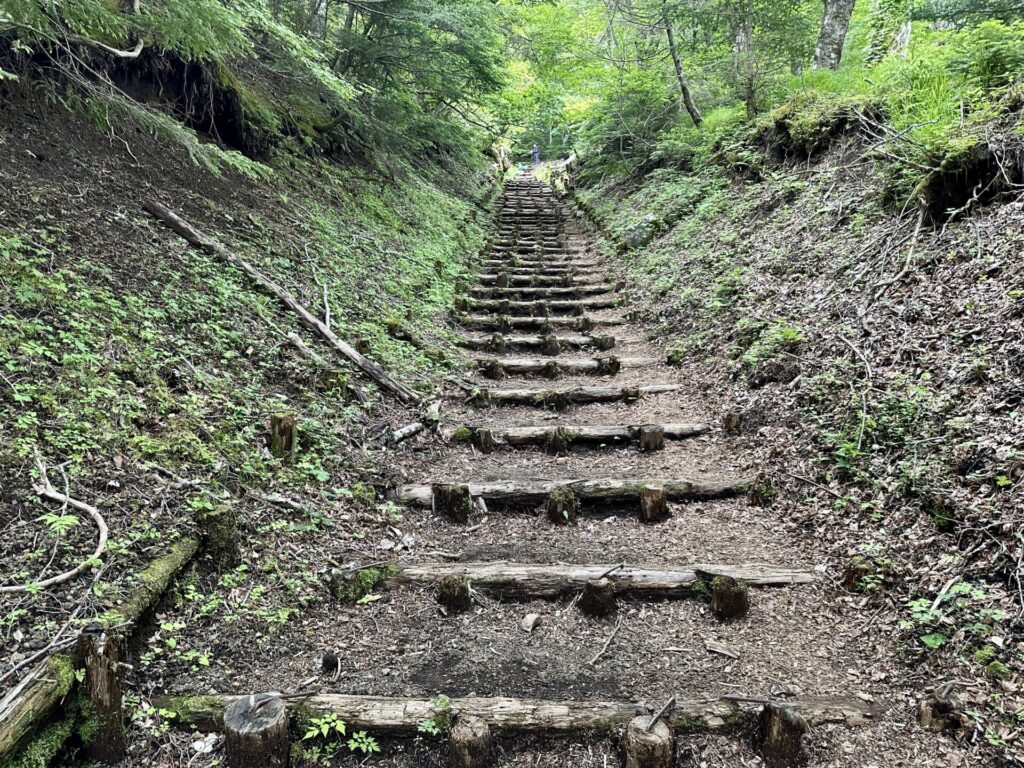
536 154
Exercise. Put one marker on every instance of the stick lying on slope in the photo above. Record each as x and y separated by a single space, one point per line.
208 244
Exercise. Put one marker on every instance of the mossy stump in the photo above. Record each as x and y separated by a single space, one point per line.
492 369
256 735
483 440
652 438
453 594
642 748
584 324
558 401
653 504
780 734
283 435
497 344
598 597
550 345
729 598
503 323
551 370
563 506
469 743
557 441
220 534
501 281
452 502
604 343
101 657
858 568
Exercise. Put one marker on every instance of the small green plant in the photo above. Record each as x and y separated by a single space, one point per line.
57 524
441 720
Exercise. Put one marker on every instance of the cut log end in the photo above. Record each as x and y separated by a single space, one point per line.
598 597
729 598
469 743
643 748
256 736
452 502
653 504
780 736
563 506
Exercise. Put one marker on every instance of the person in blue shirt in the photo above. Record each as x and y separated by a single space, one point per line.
536 154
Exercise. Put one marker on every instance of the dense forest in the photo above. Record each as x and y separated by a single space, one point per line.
282 287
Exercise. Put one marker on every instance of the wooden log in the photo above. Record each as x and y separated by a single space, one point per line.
452 501
540 308
409 430
563 398
211 246
644 747
729 598
565 277
562 506
652 438
606 490
517 437
469 743
521 293
379 714
101 659
598 366
554 580
505 323
283 438
256 733
544 343
598 597
780 735
29 703
653 504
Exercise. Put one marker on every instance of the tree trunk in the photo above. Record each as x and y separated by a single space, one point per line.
832 36
684 83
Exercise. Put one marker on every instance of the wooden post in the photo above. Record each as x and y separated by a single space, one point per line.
483 439
604 343
653 504
642 748
283 442
598 597
563 506
99 654
469 743
493 369
551 370
501 281
256 733
453 594
557 441
729 598
780 736
498 343
652 438
550 345
453 502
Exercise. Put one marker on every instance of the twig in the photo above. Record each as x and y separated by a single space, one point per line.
660 713
47 491
618 625
611 570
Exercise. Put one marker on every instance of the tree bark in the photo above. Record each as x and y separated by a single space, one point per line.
684 83
832 35
100 656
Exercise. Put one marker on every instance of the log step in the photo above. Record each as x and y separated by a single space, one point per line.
534 292
550 344
551 273
541 279
539 264
517 437
563 398
541 308
506 323
527 580
499 367
384 714
603 490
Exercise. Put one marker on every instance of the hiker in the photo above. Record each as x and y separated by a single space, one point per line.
536 154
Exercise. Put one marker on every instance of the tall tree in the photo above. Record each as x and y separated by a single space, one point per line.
684 83
832 36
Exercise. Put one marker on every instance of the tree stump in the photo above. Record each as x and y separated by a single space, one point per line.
729 599
504 323
940 711
652 438
501 281
557 441
453 594
761 493
648 749
220 534
598 597
550 345
505 307
608 366
493 369
604 343
497 344
559 401
283 442
563 506
584 324
469 743
452 502
483 439
100 655
731 421
551 370
256 735
780 735
653 504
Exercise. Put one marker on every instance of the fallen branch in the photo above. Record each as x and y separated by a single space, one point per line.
47 491
608 642
211 246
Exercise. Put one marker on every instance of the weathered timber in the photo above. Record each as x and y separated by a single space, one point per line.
541 308
563 398
29 703
780 735
561 292
566 279
549 581
101 658
542 343
648 747
211 246
513 262
546 272
598 366
256 733
517 437
653 504
469 743
404 715
602 490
